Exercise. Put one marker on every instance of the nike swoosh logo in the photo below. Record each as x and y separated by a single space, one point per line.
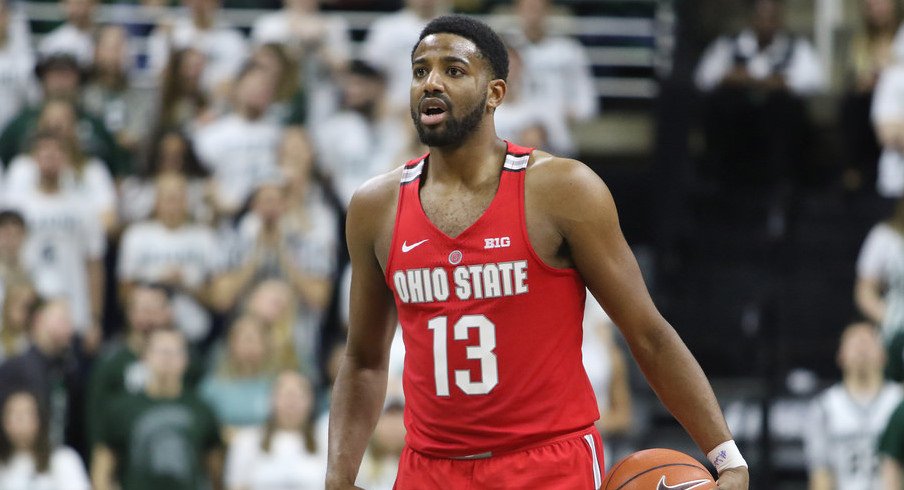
681 486
407 248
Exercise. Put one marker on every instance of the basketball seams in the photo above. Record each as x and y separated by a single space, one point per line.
644 472
613 471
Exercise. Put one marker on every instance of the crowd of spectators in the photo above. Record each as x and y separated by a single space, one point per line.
171 246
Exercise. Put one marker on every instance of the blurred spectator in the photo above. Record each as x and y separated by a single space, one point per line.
290 105
755 120
286 452
292 344
320 43
363 139
869 54
28 461
888 121
183 102
65 246
238 389
163 437
12 237
381 460
61 78
127 111
17 298
879 289
556 68
847 419
240 148
50 373
170 154
388 46
608 372
119 370
84 175
16 68
520 119
171 250
224 48
76 36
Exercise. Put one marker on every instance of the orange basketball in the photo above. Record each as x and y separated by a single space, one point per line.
658 469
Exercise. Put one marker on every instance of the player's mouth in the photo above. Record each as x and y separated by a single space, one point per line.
433 111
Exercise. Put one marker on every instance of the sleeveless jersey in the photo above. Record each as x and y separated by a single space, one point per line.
492 333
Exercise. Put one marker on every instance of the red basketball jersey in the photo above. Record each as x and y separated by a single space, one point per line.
492 333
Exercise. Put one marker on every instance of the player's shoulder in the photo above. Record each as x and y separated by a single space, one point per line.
548 172
377 195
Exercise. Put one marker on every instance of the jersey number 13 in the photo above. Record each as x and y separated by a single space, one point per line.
483 352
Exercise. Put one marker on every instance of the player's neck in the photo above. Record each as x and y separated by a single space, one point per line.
469 163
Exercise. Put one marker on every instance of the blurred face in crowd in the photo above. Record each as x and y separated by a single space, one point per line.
16 305
296 158
389 435
4 20
12 236
59 116
148 310
248 343
191 67
172 150
166 356
256 91
266 58
532 14
767 19
61 82
457 90
861 350
425 8
172 200
51 157
21 421
878 12
111 50
293 400
301 5
269 203
53 328
270 300
203 11
79 12
360 92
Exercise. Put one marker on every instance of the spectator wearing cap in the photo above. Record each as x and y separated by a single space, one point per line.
61 78
365 137
76 36
17 61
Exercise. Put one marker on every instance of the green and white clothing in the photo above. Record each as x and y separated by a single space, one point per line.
66 472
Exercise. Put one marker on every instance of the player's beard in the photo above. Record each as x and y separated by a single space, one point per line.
453 131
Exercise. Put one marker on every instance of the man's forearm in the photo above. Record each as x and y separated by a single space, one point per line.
357 402
680 383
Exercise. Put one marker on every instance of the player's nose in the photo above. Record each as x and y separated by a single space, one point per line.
433 82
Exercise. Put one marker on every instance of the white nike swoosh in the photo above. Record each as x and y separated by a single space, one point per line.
681 486
407 248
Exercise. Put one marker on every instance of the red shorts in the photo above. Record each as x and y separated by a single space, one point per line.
570 462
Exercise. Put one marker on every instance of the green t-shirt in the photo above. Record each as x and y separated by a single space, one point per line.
891 443
894 368
160 443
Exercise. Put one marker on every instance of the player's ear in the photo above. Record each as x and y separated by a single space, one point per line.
496 93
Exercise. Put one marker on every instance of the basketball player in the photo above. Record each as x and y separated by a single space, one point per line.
847 419
485 248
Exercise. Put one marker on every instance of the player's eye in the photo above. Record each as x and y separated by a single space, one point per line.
454 72
420 72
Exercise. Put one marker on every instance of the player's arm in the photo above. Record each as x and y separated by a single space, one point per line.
360 386
584 213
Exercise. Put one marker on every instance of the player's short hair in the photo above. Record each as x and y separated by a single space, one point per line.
488 43
11 217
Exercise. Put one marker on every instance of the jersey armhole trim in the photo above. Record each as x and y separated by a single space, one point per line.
395 230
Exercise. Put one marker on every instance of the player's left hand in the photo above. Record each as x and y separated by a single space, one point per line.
734 479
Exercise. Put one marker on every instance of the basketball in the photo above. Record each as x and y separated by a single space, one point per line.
658 469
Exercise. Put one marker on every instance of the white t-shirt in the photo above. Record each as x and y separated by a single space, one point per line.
63 235
139 196
241 154
94 183
513 117
68 39
224 48
888 106
66 472
882 254
557 72
17 84
388 46
803 73
843 434
595 351
276 28
287 465
353 149
150 250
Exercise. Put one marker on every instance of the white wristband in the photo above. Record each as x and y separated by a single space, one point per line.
725 456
